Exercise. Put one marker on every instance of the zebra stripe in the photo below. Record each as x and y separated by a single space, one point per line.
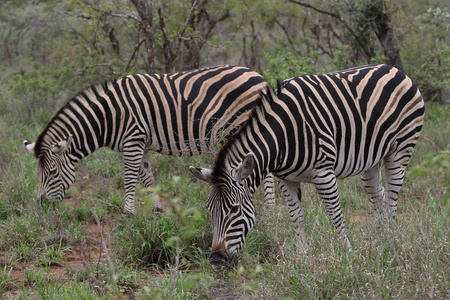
317 129
181 114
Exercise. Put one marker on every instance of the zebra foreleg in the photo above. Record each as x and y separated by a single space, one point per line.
269 190
132 157
293 196
326 185
145 172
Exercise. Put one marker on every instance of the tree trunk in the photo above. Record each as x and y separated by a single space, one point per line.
145 12
115 46
385 34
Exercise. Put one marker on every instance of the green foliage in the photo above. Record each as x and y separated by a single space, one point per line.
439 164
427 53
283 66
53 255
172 237
178 285
5 278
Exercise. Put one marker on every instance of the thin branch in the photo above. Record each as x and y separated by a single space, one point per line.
285 31
334 15
123 16
192 37
134 55
169 56
110 67
185 26
337 16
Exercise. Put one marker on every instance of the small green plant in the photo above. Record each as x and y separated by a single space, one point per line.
51 288
168 238
33 277
5 279
53 255
178 284
3 211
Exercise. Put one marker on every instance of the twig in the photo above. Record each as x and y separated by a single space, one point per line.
181 37
337 16
99 65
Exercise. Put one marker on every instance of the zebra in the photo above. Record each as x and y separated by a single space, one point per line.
315 129
181 114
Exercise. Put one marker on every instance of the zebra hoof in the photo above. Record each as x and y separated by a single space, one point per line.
125 218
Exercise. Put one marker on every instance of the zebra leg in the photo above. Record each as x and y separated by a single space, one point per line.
269 190
146 175
145 171
374 187
394 167
293 195
326 186
132 156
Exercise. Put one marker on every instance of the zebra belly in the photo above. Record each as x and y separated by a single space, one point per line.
177 150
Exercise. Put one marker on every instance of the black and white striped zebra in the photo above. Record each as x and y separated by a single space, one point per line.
318 128
182 114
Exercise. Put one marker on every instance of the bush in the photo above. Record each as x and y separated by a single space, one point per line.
163 239
427 54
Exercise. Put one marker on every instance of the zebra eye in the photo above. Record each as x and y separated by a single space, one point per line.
53 172
234 208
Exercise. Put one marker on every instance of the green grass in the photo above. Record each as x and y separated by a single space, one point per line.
68 251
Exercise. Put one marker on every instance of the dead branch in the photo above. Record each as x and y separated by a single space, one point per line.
110 67
337 16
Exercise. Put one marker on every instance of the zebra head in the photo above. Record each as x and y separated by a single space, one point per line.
56 171
231 209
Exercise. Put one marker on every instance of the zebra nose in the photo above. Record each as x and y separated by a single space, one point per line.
219 260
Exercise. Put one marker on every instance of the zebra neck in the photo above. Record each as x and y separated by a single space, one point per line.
258 136
264 160
82 144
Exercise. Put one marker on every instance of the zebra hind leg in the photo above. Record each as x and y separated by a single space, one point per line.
293 195
374 187
326 186
395 168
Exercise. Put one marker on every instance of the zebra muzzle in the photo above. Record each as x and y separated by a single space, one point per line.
220 260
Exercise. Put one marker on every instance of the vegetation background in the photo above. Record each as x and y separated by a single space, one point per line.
50 49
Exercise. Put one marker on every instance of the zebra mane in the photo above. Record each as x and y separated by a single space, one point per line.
81 99
265 98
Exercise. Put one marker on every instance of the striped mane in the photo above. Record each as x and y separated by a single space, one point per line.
81 99
265 97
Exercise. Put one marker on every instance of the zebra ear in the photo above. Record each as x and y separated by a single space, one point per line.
246 167
29 145
202 174
62 146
